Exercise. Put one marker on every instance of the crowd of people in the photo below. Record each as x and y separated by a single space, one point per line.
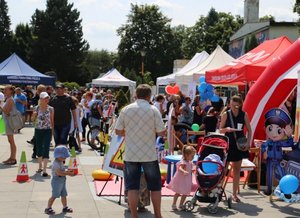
59 112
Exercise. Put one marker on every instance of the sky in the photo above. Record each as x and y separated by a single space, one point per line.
101 18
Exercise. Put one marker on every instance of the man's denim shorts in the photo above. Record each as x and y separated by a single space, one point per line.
132 175
59 187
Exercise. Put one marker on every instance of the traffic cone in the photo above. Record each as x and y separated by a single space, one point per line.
73 162
23 170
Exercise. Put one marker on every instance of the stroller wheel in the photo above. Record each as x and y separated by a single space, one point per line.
212 209
229 202
189 206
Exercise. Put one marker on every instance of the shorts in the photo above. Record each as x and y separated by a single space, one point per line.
132 175
59 187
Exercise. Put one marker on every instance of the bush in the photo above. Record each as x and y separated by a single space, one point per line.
72 85
122 98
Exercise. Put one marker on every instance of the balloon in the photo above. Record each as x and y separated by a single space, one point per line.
195 127
172 90
209 94
204 96
2 125
215 98
202 87
202 79
288 184
209 88
209 167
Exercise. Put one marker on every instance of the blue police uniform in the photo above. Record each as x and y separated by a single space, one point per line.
274 148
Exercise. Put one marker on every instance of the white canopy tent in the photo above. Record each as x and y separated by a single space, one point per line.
193 63
217 59
114 78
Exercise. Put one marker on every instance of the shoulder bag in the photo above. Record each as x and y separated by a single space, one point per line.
241 142
15 119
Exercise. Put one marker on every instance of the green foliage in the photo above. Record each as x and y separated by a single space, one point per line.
251 43
22 40
5 32
122 98
297 10
267 18
98 62
72 85
59 45
208 32
147 29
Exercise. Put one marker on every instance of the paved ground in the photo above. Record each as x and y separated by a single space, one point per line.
29 199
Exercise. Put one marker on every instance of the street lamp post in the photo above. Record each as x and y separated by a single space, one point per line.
143 54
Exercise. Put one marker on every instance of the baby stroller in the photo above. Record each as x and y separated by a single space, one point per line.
210 182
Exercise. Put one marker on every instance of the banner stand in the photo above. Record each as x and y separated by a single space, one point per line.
116 180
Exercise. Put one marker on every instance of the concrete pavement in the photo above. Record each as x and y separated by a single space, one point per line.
28 200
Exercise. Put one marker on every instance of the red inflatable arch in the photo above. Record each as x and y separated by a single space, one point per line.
272 88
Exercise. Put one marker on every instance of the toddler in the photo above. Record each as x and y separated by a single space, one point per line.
181 183
58 181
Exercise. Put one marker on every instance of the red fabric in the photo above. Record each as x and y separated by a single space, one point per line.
272 88
249 66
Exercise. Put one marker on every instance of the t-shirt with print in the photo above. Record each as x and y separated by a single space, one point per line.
43 120
141 122
57 165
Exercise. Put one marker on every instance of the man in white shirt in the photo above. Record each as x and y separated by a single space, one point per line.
140 122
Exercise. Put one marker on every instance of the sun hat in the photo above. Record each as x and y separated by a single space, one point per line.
61 151
44 95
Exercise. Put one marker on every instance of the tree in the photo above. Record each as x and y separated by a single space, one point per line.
22 41
208 32
5 32
147 29
251 43
59 45
297 10
267 18
98 62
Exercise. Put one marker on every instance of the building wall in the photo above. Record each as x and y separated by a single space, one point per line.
292 32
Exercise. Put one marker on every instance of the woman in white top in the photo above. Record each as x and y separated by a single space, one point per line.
6 109
87 98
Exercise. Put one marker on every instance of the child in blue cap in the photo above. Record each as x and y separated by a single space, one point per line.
58 181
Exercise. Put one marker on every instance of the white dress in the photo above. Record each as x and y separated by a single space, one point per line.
78 112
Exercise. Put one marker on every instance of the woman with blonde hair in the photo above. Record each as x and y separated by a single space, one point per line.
9 103
44 123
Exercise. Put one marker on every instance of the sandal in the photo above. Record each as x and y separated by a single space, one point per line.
67 210
39 171
49 211
236 199
10 162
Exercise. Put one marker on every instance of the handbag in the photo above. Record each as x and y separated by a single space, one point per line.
241 142
15 119
73 141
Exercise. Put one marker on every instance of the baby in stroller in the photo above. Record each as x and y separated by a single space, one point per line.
210 172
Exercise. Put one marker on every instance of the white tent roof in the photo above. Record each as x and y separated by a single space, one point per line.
194 62
217 59
113 78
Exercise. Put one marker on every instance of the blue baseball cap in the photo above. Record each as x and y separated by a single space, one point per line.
61 151
277 116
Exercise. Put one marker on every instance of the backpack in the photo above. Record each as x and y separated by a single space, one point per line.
94 110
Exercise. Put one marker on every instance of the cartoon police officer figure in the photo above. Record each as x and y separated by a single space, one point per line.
278 130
